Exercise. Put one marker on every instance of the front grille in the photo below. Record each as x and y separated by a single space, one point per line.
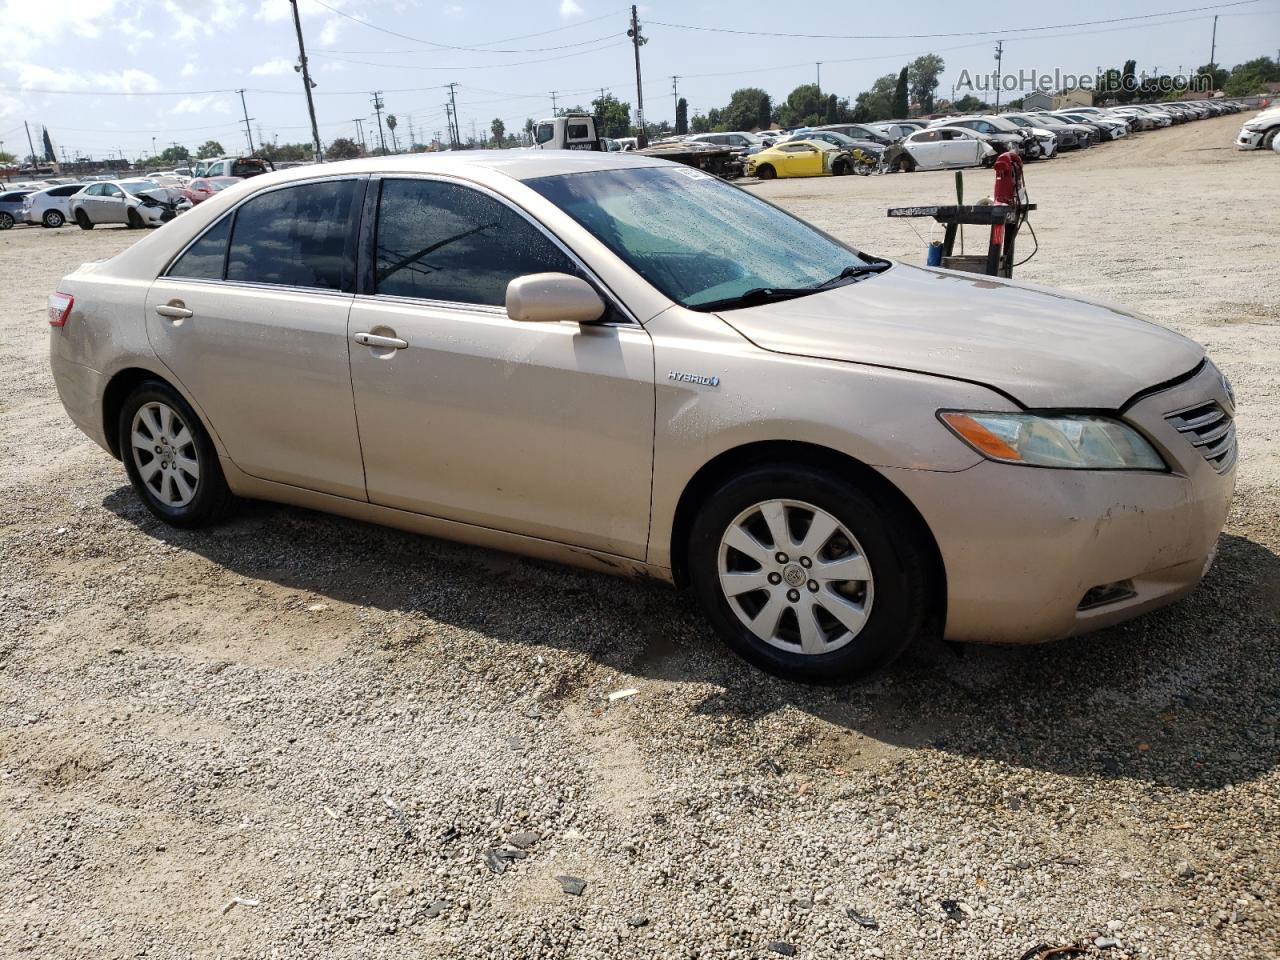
1210 430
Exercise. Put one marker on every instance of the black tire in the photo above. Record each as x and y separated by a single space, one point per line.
82 220
135 219
1269 137
904 164
840 168
6 220
766 172
902 598
53 219
211 497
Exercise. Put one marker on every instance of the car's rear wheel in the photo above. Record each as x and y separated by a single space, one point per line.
766 172
806 576
6 220
135 219
169 457
83 221
53 218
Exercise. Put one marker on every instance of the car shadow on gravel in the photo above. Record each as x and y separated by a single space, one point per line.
1185 697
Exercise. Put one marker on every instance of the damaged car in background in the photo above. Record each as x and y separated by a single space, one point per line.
135 203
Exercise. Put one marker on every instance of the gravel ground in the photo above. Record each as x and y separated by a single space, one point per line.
299 736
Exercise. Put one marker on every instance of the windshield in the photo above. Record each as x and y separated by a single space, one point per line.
133 186
695 237
1020 121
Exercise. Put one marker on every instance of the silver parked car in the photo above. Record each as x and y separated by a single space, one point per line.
137 203
11 208
616 361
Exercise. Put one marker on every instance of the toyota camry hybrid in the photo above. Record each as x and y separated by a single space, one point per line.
623 363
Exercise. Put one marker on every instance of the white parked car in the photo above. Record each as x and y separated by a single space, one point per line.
50 207
1260 131
939 148
138 203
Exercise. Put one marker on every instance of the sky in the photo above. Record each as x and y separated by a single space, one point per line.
109 75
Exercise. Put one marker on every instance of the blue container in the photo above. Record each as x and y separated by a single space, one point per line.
934 258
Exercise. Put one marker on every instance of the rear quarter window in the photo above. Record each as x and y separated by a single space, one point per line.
206 258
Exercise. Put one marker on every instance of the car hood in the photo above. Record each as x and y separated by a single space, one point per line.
1043 347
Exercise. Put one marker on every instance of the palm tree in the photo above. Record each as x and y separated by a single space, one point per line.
499 129
391 125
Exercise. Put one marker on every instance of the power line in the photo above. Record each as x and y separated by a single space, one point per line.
936 36
476 66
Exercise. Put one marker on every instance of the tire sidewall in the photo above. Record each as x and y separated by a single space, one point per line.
83 221
900 601
54 218
211 490
766 172
6 221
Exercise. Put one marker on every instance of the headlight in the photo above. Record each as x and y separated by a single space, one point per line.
1069 441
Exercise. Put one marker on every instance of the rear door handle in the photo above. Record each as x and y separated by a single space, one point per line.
374 340
174 311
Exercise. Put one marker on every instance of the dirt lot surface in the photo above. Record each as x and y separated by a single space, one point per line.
337 724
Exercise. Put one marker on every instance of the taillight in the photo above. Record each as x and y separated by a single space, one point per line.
60 305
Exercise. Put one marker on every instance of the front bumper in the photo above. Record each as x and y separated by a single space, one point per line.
1022 546
1249 139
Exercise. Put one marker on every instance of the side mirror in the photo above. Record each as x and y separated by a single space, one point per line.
548 297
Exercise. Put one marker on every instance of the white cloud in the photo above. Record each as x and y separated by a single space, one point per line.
329 32
569 8
189 69
46 78
454 11
333 67
199 105
272 68
210 17
26 28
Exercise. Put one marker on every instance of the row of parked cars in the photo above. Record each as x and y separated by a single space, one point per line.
145 201
905 145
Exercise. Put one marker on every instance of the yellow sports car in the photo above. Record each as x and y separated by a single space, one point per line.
799 158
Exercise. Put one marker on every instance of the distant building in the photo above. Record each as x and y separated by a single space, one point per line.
1037 101
1073 98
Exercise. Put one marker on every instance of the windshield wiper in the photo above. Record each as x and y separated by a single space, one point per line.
753 297
852 272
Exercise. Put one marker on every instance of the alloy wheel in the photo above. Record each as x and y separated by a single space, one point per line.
164 452
795 576
6 221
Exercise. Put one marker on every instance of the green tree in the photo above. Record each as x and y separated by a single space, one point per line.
342 149
499 130
682 116
804 106
7 159
173 156
1250 77
1217 76
613 117
391 128
210 148
745 109
876 103
1128 81
699 124
902 96
922 77
970 104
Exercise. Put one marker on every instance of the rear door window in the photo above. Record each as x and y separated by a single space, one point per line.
299 236
206 258
442 241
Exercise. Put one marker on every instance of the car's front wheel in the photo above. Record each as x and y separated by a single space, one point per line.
53 218
6 220
766 172
82 220
169 457
135 219
806 576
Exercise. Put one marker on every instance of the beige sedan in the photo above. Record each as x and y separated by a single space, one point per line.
623 363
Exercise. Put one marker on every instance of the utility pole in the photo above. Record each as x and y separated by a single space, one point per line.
377 109
1213 44
819 66
637 41
359 122
306 82
247 135
448 122
32 147
999 57
554 113
675 94
455 135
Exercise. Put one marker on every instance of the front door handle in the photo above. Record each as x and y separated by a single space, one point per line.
174 310
374 340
